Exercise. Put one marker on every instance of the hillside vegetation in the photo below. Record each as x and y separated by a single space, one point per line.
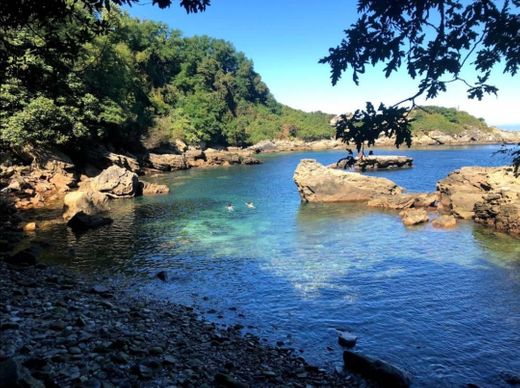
137 82
448 120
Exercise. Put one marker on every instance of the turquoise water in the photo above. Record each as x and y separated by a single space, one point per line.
442 304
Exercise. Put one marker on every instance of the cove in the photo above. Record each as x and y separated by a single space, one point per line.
442 304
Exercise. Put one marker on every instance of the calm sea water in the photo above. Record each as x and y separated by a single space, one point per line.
441 304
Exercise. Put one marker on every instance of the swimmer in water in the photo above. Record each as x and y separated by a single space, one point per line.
229 207
250 205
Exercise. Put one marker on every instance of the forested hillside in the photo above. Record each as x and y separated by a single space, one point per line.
136 82
448 120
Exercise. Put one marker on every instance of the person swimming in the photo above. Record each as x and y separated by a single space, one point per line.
229 207
250 205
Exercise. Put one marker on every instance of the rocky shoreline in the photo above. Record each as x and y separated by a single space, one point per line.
487 195
63 329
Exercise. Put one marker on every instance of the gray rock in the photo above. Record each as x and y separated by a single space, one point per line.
384 373
116 182
347 339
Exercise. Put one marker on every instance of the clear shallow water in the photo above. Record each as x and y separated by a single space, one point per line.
444 305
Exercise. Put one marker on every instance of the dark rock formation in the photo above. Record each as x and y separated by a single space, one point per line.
385 374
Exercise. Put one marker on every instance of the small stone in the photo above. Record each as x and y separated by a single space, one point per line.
347 340
99 289
58 325
74 350
120 358
156 350
29 227
162 275
144 372
169 360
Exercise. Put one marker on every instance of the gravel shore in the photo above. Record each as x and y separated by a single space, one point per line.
60 329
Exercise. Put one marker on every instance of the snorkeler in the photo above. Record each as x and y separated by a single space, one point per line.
250 205
229 207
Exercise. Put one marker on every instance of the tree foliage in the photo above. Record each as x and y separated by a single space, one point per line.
131 81
434 40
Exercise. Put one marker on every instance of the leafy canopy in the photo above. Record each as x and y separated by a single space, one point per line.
434 40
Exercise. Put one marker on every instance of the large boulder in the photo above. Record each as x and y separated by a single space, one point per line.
462 189
414 216
317 183
116 182
500 210
87 202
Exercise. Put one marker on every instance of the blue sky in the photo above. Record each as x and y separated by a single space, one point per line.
286 38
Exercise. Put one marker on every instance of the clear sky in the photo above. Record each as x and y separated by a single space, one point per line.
286 38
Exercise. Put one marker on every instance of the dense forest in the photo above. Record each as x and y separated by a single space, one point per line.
135 82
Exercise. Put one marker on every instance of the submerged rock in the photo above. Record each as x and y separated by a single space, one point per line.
384 373
445 221
317 183
414 216
24 257
81 222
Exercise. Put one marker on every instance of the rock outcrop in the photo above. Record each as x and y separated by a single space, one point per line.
462 189
466 137
116 182
43 182
270 146
166 162
489 195
383 162
101 158
500 210
317 183
404 201
147 188
198 158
